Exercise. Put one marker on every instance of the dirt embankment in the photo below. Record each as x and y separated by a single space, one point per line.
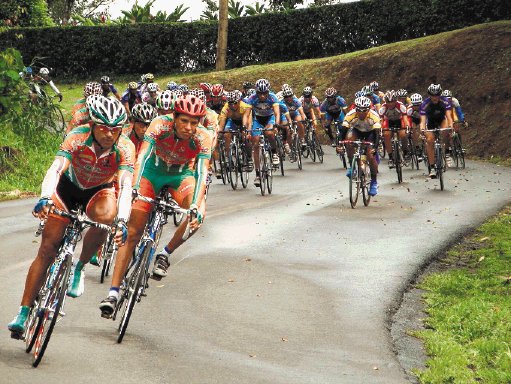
475 63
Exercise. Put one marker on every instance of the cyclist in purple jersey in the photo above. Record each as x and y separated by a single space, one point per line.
285 118
131 97
333 107
436 112
264 107
108 87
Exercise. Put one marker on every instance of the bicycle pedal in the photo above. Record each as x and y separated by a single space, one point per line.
106 315
155 277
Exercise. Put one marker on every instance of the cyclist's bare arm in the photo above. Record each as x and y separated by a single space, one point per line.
50 181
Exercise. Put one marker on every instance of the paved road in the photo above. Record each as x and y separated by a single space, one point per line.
295 287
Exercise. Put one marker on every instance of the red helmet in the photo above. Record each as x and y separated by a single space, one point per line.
190 105
206 87
217 90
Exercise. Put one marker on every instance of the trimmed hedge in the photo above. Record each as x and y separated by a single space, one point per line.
271 37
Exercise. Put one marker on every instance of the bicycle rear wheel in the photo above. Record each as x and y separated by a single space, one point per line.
53 303
33 325
223 164
439 166
131 291
243 163
458 150
297 146
354 181
56 122
365 182
107 250
396 153
318 148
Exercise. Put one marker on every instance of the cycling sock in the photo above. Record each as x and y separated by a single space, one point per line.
166 251
114 291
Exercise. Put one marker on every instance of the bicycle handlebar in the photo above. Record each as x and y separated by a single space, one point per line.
81 218
359 142
172 204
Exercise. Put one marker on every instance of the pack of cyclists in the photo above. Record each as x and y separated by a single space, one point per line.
137 143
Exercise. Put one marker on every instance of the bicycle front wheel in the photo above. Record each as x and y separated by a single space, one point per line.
242 164
53 303
354 181
131 291
263 166
56 122
233 166
365 182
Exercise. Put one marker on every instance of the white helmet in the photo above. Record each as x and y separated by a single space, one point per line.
262 85
152 87
362 102
416 98
44 71
108 111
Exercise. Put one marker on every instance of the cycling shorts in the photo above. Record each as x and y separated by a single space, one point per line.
371 136
232 125
329 117
69 197
260 122
181 185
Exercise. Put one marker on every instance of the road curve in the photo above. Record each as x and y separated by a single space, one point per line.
295 287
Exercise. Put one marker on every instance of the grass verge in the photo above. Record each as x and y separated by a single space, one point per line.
468 329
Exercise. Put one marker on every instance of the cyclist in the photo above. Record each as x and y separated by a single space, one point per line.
90 88
310 105
175 152
145 80
296 113
364 123
375 88
375 99
206 87
393 114
218 98
131 97
435 112
151 93
183 88
263 109
402 96
108 87
82 115
414 120
283 125
82 174
42 79
247 85
458 116
333 107
141 116
171 86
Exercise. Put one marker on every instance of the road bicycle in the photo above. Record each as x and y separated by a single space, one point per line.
415 152
53 118
360 179
457 151
108 254
237 160
48 307
136 279
265 164
313 148
397 152
296 150
440 157
281 152
221 166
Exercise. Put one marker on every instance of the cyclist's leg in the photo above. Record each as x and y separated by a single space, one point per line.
430 151
328 127
353 134
256 132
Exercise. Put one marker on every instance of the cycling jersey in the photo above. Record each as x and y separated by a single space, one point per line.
262 108
80 117
413 114
110 88
283 110
435 113
216 104
88 170
293 105
79 104
129 132
369 123
309 105
236 114
131 98
147 98
457 112
394 117
333 110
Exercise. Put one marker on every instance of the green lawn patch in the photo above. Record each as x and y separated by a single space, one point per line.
468 329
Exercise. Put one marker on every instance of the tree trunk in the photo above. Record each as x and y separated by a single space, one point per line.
221 45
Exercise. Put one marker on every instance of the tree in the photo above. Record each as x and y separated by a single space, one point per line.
257 9
24 13
283 5
62 10
221 48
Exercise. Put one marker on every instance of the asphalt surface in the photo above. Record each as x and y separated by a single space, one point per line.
295 287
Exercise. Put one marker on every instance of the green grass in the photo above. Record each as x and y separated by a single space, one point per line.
26 174
468 335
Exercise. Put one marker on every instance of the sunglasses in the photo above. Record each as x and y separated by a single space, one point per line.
362 109
107 128
232 102
262 93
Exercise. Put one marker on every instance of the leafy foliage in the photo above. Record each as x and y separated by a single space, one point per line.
322 31
24 13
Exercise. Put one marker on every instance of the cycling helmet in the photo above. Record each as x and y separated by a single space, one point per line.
171 85
366 89
206 87
285 86
108 111
176 93
234 96
435 90
307 91
374 86
247 85
152 87
416 99
143 112
142 78
402 92
363 102
183 88
90 100
92 88
28 70
286 92
105 80
262 85
190 105
132 85
359 94
197 93
149 76
390 96
217 90
447 93
44 71
330 92
165 100
251 92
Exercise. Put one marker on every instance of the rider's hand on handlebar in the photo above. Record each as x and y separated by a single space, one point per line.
42 208
195 217
121 233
